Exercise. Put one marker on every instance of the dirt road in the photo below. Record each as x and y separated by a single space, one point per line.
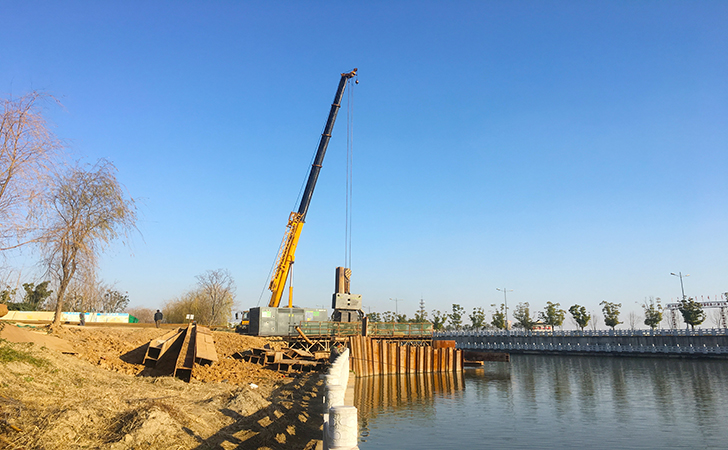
101 397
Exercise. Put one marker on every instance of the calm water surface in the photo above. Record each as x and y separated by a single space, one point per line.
551 402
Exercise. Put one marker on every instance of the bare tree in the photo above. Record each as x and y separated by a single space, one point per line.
594 324
633 318
716 317
217 290
90 211
29 155
144 315
82 292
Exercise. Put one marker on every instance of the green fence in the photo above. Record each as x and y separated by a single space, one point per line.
374 329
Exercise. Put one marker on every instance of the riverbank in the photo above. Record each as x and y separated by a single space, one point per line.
99 397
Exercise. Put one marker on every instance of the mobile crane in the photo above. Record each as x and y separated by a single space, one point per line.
287 251
251 320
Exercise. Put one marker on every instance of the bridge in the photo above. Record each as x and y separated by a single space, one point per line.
707 343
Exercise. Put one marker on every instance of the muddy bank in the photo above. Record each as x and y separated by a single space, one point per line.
101 398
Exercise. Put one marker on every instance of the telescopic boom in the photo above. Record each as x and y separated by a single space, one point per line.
286 254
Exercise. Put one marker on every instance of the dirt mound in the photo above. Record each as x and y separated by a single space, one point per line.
122 350
150 426
18 334
61 401
246 400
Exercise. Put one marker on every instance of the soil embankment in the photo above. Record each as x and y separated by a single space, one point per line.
103 397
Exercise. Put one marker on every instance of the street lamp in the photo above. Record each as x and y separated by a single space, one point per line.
505 299
396 304
680 275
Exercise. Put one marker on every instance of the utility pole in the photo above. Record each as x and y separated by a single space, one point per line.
505 300
680 275
396 304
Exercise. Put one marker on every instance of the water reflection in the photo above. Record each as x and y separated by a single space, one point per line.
401 395
381 392
553 402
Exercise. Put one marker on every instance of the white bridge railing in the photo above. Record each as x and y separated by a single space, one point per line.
627 333
708 342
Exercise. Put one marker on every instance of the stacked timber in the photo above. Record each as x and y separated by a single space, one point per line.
185 346
285 360
158 347
380 357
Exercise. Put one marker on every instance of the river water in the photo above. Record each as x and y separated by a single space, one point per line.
551 402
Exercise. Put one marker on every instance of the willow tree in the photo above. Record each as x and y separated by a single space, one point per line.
89 211
29 156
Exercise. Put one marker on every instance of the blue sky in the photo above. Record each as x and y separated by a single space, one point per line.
571 151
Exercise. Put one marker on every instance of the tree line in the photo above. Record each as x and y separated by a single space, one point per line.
552 315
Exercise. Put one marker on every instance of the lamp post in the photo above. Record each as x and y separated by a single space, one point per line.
396 304
505 300
680 275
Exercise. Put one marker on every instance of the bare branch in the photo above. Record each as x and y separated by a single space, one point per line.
29 156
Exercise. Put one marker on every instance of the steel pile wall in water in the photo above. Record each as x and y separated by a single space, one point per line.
379 357
698 343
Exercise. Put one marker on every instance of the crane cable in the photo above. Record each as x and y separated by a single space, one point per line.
349 172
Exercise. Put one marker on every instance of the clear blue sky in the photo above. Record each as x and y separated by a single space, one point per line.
571 151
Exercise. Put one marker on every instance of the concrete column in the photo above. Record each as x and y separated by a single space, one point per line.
343 428
334 396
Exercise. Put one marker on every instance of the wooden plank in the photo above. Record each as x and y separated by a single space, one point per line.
354 356
383 358
420 359
402 360
186 358
370 354
376 357
411 359
360 366
157 347
205 352
295 353
393 358
444 344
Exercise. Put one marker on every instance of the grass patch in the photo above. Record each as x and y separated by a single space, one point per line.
10 354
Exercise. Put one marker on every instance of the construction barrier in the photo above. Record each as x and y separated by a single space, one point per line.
69 317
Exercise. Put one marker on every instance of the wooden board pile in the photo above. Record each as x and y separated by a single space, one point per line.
285 360
184 346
